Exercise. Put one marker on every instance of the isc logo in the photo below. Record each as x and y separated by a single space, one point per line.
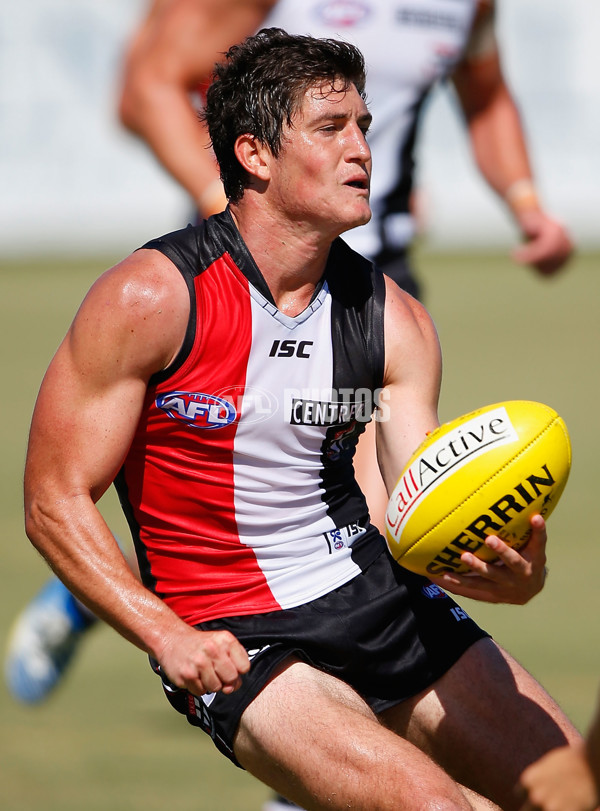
287 349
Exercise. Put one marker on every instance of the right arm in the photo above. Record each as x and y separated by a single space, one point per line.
171 55
130 325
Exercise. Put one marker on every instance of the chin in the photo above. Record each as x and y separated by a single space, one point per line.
362 218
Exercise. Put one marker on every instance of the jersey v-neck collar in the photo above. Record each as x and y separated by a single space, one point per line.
259 289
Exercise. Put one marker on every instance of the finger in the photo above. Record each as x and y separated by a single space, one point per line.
535 550
508 556
229 674
240 658
538 529
535 252
543 253
227 689
479 567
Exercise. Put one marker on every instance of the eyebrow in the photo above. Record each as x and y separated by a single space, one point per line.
367 118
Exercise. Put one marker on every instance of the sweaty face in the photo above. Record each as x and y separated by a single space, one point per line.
322 174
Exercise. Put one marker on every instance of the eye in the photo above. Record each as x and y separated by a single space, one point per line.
332 126
365 126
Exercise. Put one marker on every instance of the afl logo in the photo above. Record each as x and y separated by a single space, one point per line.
343 13
197 409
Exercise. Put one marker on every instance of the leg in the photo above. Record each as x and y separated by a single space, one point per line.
43 642
484 721
312 738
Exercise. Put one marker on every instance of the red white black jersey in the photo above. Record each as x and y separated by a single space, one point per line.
408 46
239 486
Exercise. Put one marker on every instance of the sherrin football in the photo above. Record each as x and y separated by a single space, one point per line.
485 473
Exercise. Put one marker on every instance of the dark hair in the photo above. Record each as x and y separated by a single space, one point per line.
261 85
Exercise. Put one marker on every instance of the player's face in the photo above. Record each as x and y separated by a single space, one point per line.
323 172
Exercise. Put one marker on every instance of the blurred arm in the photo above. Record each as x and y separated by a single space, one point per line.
171 56
500 149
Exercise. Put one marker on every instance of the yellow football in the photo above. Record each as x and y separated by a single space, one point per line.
485 473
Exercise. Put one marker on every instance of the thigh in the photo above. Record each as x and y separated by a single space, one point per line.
313 739
484 721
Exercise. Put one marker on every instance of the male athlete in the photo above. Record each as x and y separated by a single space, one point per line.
270 607
410 46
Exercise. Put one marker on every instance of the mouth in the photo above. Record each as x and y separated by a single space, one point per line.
358 183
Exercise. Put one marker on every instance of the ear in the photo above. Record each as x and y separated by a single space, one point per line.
254 157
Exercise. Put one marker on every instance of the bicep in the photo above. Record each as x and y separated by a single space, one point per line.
410 396
82 425
130 325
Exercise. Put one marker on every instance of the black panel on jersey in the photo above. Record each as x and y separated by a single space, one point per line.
192 250
357 311
357 330
146 575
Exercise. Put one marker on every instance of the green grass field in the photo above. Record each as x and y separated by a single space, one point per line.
107 739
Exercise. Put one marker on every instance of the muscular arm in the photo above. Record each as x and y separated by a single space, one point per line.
412 383
130 325
172 54
500 149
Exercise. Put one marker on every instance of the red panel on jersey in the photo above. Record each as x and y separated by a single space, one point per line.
180 472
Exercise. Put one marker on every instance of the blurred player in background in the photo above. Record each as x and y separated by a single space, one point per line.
409 46
271 609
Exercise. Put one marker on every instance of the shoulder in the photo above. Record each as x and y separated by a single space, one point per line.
136 312
403 309
194 248
410 333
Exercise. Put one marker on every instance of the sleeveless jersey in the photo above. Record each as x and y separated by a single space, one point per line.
239 486
408 45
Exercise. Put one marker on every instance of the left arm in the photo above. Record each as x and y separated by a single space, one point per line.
412 379
500 149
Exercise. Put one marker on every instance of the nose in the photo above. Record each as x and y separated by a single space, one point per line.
359 148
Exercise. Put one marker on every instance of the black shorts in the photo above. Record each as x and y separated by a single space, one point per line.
388 633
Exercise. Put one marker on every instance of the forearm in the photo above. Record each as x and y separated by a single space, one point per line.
70 533
500 151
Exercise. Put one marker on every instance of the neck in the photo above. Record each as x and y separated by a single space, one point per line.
291 255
